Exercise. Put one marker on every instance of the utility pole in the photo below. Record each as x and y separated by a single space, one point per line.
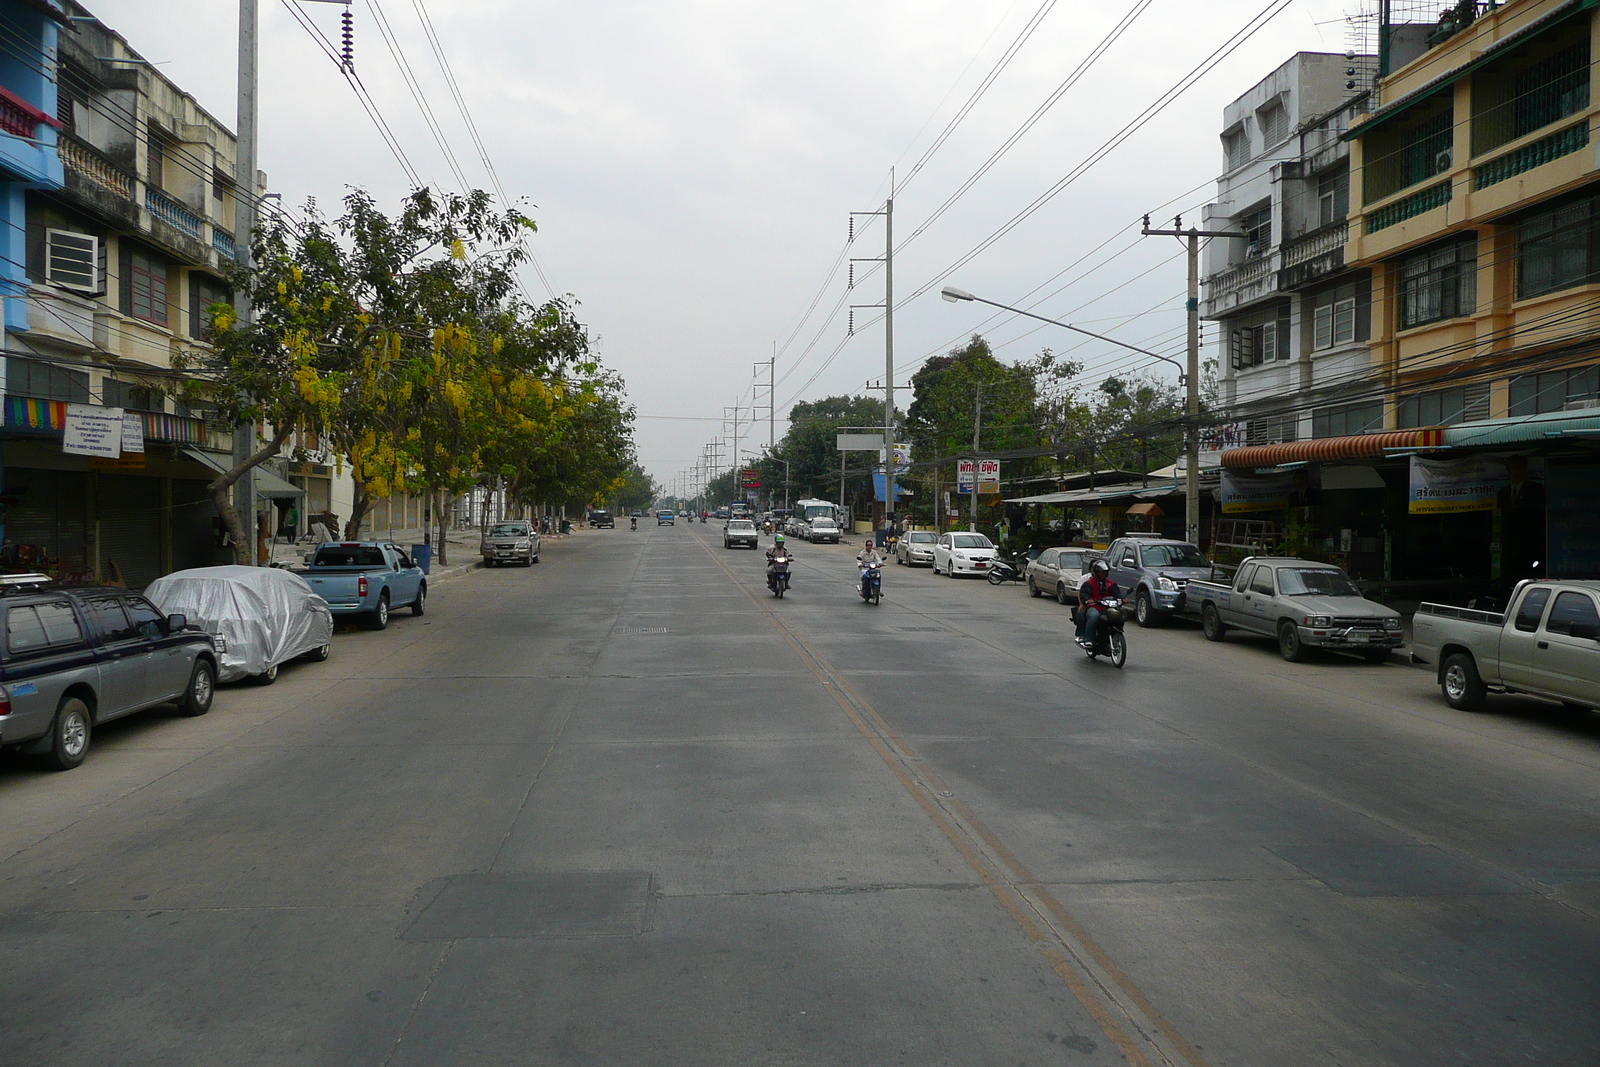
772 392
977 433
887 260
244 223
1191 451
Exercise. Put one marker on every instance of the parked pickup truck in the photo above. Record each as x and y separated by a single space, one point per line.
1305 605
1547 644
366 578
1154 573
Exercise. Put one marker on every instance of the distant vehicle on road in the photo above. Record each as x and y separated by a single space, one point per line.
822 529
368 579
1304 604
806 510
602 520
511 542
1546 644
1154 572
76 658
1056 571
962 553
261 617
666 518
740 532
916 548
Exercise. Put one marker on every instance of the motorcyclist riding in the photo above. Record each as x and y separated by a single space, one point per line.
1092 595
867 557
778 549
633 522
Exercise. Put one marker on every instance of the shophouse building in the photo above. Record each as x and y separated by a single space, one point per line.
1475 211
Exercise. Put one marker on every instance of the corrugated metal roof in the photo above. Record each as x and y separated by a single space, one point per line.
1322 449
1529 428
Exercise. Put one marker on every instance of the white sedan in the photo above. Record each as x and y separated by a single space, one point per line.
963 553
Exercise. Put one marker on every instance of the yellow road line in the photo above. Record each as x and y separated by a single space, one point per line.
1084 966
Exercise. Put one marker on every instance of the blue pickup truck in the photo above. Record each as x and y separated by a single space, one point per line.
366 578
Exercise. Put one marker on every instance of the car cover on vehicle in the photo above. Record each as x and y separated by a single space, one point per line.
265 614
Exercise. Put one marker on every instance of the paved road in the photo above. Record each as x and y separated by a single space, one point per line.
625 808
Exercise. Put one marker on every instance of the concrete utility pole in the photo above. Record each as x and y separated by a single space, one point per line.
772 392
1191 452
244 224
977 436
888 355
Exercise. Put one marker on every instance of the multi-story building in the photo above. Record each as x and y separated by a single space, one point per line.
114 264
1293 317
1475 209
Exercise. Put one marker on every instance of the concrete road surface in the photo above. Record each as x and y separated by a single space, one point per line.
626 808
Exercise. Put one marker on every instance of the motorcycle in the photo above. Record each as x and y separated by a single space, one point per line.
766 528
1008 569
633 524
871 586
778 575
1110 642
702 520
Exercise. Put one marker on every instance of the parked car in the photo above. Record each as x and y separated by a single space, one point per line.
76 658
915 548
957 553
666 518
1057 570
511 542
261 617
740 532
822 529
602 520
1153 572
1546 644
368 579
1303 604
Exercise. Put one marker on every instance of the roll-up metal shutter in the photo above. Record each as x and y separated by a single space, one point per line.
51 514
194 536
130 527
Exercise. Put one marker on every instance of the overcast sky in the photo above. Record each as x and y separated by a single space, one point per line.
692 163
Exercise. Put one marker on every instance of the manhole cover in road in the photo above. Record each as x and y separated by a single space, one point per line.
1397 871
640 630
523 905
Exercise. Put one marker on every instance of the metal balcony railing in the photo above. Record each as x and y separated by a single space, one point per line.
171 212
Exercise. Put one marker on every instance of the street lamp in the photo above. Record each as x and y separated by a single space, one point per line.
1191 423
954 295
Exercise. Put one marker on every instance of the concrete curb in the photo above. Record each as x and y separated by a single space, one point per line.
446 573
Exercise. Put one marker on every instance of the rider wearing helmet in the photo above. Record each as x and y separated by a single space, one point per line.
1092 595
778 548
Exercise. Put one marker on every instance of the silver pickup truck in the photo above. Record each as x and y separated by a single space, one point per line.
1303 604
1547 644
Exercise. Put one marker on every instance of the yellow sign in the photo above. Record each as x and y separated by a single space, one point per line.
130 461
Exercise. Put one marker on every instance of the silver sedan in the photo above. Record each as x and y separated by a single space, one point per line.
916 548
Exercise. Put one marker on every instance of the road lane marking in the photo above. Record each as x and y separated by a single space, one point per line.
1127 1017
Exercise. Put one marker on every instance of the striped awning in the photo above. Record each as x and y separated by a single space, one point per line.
1324 449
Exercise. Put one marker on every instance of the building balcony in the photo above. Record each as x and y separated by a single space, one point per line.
89 166
27 150
1314 256
172 212
1240 285
222 241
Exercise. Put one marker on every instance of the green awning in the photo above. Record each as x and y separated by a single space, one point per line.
1449 78
268 484
1530 429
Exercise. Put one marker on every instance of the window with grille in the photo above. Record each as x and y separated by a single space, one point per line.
72 261
1271 431
1333 196
1274 122
1444 407
1543 83
46 381
1559 248
1407 151
1557 390
144 285
1346 420
1439 283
